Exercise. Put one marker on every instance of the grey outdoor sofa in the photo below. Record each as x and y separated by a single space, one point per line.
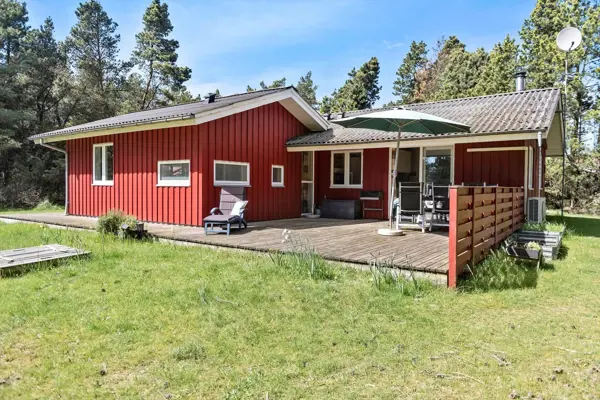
229 213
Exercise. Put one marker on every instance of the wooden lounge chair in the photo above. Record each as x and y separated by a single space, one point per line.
230 211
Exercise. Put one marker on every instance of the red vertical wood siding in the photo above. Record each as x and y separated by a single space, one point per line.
256 136
504 168
376 164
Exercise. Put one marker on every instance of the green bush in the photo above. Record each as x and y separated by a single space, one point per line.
46 205
112 221
498 272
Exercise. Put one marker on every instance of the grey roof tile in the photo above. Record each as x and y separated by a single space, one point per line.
525 111
159 114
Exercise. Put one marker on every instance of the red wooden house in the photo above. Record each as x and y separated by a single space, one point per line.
167 165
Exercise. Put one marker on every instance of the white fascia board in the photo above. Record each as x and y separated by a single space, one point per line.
222 112
433 141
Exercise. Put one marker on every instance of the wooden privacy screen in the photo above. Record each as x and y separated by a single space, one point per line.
480 218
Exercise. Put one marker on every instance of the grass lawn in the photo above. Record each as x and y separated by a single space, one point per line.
150 320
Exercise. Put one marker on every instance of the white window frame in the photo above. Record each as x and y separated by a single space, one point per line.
103 181
217 182
278 184
179 183
530 167
346 184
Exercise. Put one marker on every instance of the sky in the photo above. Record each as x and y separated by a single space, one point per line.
232 44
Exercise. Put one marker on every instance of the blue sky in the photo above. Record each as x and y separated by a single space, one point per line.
230 44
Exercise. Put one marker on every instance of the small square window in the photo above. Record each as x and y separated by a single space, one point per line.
174 173
277 175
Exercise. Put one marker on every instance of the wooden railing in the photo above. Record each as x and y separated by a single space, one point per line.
480 218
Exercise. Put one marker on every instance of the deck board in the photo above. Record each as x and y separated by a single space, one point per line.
340 240
33 255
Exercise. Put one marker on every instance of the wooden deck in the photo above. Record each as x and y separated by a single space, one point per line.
354 242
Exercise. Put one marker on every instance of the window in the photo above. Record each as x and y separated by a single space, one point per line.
277 175
346 169
174 173
530 174
232 173
438 166
103 164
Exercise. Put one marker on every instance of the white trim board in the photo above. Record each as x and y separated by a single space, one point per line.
429 142
486 149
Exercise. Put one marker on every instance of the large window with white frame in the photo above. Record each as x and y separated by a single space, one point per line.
174 173
346 169
103 164
277 175
229 173
530 165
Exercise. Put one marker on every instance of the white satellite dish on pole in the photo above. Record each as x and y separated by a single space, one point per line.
568 39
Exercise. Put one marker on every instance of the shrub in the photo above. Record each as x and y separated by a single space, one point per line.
544 227
46 205
112 222
499 271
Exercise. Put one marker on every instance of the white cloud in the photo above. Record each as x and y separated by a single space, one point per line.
392 45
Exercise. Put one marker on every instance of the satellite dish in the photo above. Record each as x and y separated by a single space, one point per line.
568 39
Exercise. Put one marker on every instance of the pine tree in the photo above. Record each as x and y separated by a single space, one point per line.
156 57
414 62
44 68
429 80
13 27
308 90
360 91
498 74
461 73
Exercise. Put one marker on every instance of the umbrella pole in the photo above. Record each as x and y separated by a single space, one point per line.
394 175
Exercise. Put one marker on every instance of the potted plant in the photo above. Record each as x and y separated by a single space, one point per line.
547 235
530 251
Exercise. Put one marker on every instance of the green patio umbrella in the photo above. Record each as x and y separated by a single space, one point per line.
401 120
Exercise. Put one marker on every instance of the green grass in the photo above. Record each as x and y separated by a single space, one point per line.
149 320
43 207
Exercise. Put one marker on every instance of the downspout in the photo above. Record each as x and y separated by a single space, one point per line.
66 171
539 193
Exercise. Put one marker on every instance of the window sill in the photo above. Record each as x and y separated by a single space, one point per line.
103 183
221 184
345 187
173 184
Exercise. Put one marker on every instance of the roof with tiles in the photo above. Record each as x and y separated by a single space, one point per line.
515 112
182 111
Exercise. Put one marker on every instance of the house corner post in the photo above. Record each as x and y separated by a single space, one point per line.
452 238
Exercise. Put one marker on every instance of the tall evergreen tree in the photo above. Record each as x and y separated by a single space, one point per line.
544 63
359 92
414 62
429 80
461 73
156 57
498 74
308 90
13 27
93 48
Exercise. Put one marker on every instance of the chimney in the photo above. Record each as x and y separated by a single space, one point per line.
520 80
210 98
